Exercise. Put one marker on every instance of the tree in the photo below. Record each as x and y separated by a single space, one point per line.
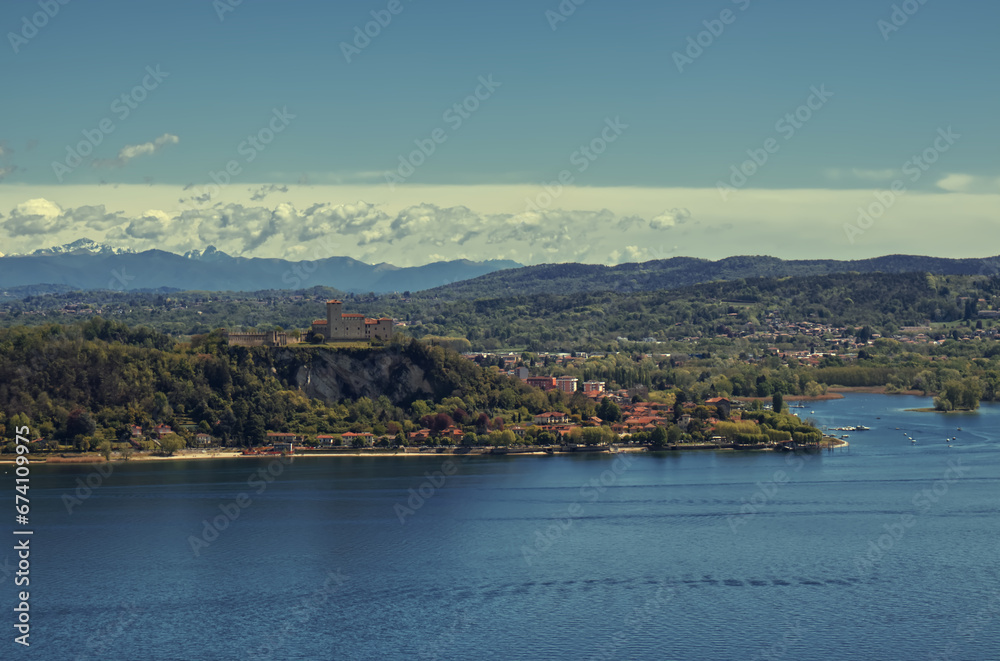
777 402
658 437
171 443
608 411
104 447
79 423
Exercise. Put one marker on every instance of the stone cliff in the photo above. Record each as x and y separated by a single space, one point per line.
333 375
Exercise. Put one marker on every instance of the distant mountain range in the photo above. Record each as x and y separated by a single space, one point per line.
85 264
684 271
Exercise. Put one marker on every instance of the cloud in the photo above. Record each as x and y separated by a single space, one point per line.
128 152
597 225
670 219
264 191
37 216
6 171
968 183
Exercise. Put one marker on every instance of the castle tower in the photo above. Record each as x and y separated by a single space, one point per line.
334 319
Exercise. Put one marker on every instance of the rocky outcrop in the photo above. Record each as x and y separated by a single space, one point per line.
332 375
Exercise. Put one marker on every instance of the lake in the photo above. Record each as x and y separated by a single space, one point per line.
884 550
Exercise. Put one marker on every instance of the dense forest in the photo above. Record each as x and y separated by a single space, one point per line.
545 322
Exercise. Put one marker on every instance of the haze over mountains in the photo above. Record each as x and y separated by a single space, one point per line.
85 264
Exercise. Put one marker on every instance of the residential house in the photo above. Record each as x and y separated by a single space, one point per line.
551 418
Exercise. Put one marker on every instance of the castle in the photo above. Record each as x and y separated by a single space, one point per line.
336 326
346 326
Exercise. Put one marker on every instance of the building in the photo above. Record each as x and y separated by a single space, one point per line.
551 418
722 404
339 325
593 386
543 382
203 439
567 384
267 339
327 440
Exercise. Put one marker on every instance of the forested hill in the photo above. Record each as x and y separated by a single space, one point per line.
685 271
90 382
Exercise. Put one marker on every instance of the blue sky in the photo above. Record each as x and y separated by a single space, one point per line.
554 86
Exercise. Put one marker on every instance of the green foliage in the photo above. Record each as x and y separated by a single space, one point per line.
90 383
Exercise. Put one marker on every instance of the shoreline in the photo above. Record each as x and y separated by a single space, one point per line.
448 452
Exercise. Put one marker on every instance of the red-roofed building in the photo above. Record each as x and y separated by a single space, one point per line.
551 418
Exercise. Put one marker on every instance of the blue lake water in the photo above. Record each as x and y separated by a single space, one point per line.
884 550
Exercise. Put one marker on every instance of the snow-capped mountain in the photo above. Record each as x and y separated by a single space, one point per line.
210 253
82 245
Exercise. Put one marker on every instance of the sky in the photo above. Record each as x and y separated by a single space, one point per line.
410 131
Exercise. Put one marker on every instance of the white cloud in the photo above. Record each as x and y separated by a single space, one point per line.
405 227
968 183
128 152
670 219
37 216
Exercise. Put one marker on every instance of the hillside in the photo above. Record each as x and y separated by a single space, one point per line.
90 382
685 271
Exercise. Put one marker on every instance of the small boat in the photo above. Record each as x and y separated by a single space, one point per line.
913 440
959 429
